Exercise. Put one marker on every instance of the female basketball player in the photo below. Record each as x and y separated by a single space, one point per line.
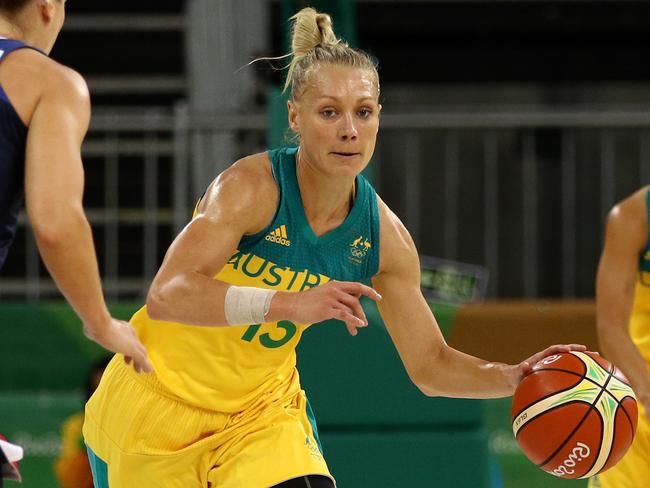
623 304
281 240
44 114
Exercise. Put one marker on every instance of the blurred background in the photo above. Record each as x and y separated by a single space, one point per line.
509 128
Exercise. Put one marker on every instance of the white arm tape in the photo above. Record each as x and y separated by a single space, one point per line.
247 305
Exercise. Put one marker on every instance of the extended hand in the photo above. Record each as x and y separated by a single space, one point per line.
120 337
333 300
526 366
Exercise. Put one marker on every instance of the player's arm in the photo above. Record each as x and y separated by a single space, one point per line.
625 238
184 289
436 368
54 181
241 201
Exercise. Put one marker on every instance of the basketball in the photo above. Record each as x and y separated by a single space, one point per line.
574 415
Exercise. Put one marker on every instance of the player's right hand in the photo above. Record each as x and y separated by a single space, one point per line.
333 300
526 366
119 337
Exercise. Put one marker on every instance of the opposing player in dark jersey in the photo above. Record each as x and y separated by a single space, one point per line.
44 115
280 241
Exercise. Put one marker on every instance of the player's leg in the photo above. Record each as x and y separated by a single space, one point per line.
277 445
312 481
99 470
139 436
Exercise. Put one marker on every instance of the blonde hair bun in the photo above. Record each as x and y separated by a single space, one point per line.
313 42
311 29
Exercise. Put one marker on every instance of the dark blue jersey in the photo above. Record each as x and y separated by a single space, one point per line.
13 135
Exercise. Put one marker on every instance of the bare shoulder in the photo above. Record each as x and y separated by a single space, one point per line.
66 82
397 250
632 210
30 78
41 71
245 191
628 219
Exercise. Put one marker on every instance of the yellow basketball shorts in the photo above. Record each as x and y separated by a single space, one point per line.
633 471
141 436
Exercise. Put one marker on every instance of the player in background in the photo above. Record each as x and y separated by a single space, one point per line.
44 116
281 240
623 318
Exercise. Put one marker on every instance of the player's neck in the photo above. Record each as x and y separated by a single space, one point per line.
326 201
10 31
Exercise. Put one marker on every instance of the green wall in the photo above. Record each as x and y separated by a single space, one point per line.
43 347
33 420
377 429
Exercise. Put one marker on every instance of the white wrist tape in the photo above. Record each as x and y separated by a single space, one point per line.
247 305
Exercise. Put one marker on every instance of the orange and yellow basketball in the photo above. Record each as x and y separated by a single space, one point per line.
574 415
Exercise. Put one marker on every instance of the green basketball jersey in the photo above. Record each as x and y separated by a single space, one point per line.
232 369
348 253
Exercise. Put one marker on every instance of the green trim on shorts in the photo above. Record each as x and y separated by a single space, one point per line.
312 421
99 469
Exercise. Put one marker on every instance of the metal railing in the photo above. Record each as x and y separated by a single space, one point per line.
139 194
129 157
135 147
524 194
563 170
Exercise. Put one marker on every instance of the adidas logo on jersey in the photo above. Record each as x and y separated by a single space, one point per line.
279 236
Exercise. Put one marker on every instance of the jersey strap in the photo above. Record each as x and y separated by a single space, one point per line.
7 46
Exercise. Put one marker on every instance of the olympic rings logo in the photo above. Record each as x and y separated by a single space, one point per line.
358 253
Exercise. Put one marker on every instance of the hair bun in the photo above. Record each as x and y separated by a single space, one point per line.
324 23
311 29
313 42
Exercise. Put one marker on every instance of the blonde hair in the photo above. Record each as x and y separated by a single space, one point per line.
314 43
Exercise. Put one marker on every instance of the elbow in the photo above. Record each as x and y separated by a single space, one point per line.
49 235
57 227
157 303
167 297
426 370
427 390
422 378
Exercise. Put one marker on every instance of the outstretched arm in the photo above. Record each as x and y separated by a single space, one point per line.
54 181
436 368
625 238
